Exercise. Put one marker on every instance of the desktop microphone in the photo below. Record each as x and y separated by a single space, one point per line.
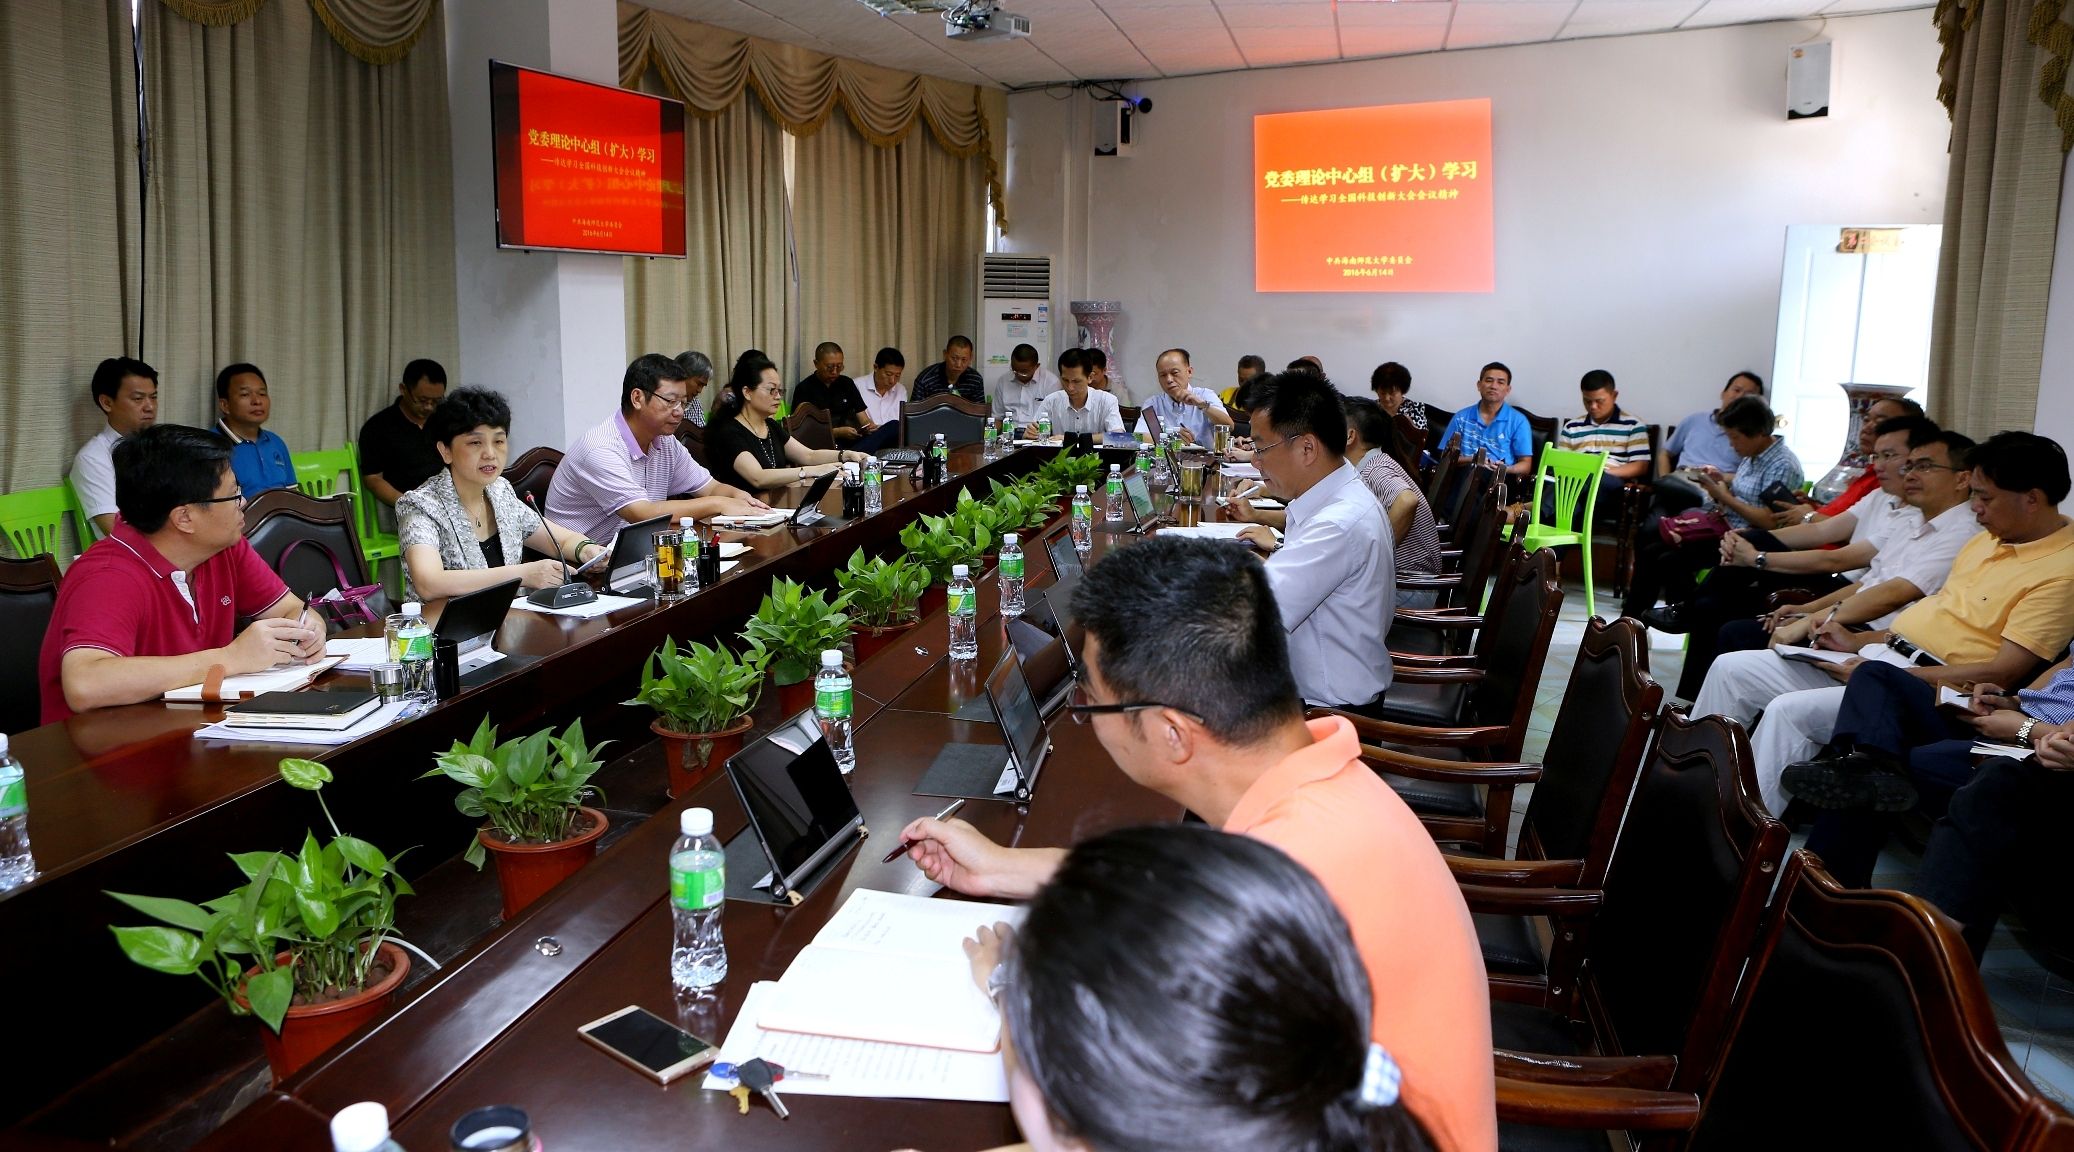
572 592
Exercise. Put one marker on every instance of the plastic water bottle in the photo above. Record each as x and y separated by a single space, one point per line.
1114 512
410 644
362 1128
690 556
963 605
1011 576
987 441
1145 459
874 487
17 866
698 890
1044 425
832 706
1083 520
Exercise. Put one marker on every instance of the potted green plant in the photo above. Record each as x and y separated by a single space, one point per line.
984 521
795 624
530 792
702 699
885 599
307 944
938 542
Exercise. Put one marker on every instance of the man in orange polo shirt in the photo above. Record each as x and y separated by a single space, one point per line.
1185 676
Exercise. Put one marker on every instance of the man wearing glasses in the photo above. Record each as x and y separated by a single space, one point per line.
633 468
1196 620
154 605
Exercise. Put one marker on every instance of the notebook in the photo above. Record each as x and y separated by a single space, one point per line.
892 968
328 711
285 678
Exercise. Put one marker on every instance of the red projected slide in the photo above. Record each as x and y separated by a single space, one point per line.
1395 198
586 167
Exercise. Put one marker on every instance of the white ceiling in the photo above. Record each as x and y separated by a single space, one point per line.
1144 39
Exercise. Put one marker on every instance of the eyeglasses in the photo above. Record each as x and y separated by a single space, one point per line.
673 403
1080 709
237 496
1915 466
1263 449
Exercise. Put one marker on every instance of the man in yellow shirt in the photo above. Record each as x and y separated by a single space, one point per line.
2006 611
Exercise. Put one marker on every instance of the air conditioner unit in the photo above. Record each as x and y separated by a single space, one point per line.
1014 308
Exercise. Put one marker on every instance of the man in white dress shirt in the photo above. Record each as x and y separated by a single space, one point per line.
883 395
1019 391
126 391
1076 407
1182 406
1334 574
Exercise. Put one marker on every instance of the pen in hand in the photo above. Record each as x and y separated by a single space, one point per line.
901 848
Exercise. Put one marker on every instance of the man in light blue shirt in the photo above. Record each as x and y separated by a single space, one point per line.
1698 443
1183 407
1493 425
1334 574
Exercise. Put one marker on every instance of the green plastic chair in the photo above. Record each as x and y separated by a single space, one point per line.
317 473
82 526
1576 474
375 544
34 521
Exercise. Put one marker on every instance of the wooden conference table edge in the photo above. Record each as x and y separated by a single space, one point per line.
180 854
463 1024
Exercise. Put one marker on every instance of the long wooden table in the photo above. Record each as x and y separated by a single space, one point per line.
499 1026
125 799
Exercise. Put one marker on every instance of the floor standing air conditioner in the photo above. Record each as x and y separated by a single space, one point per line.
1014 308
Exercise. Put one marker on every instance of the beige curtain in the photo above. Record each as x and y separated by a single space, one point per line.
2001 212
888 239
377 31
68 173
708 68
733 291
300 217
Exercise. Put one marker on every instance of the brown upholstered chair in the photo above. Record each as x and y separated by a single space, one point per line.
809 424
693 437
960 420
1470 479
1542 431
1635 499
1659 945
28 594
1412 631
1471 708
1129 413
1863 1024
1447 462
279 518
532 472
1573 818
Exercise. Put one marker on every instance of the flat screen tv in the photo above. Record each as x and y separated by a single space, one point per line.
585 167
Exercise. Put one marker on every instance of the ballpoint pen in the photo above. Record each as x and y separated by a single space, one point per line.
949 810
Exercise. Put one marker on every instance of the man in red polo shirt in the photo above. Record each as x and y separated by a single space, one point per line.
155 604
1186 679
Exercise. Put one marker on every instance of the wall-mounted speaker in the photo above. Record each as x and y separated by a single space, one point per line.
1114 120
1808 70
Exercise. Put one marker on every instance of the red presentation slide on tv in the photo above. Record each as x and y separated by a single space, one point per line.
1394 198
586 167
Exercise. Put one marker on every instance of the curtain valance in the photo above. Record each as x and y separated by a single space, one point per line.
377 31
2047 27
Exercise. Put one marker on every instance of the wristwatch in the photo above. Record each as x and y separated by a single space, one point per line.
2023 732
1763 558
1809 518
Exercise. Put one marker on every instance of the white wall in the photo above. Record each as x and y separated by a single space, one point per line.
1644 186
2056 380
547 330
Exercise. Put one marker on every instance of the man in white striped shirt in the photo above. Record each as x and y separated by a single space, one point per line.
1609 432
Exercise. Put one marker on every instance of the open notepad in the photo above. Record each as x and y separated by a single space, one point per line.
285 678
863 1068
893 969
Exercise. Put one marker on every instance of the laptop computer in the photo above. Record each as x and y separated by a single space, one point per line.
632 545
1022 724
809 511
1047 663
471 622
800 809
1154 426
1064 557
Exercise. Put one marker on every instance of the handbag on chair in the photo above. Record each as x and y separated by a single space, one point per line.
346 604
1692 526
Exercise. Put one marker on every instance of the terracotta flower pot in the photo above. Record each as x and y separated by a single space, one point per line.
932 599
311 1029
693 757
795 698
866 641
526 871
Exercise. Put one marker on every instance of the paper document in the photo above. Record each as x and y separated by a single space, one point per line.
1983 748
598 607
1243 471
762 520
358 655
730 549
374 721
480 658
892 968
1948 697
287 678
859 1067
1810 655
1221 530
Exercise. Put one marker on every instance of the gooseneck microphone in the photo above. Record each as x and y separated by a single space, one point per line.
572 591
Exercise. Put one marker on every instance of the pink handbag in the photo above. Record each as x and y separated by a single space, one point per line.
1693 526
352 604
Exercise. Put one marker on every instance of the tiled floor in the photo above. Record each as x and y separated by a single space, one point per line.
2035 1007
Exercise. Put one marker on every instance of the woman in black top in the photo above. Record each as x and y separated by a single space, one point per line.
747 445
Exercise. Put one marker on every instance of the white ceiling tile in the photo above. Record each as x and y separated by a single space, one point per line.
1482 23
1718 12
1626 17
1847 7
1359 42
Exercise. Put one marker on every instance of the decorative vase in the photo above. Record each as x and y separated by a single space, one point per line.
526 871
1097 319
693 757
1853 463
310 1030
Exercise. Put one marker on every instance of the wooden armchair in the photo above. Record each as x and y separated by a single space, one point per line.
810 425
960 420
1863 1024
1446 462
1635 499
1447 512
693 437
1470 708
28 596
1129 414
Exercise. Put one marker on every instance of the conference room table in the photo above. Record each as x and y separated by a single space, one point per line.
127 799
499 1026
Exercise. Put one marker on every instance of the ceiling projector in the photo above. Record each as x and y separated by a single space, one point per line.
981 20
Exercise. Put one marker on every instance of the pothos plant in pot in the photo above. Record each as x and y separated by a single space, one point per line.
702 699
885 599
795 624
307 944
530 792
939 542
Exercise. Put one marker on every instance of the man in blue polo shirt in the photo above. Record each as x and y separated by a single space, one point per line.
1493 425
258 457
